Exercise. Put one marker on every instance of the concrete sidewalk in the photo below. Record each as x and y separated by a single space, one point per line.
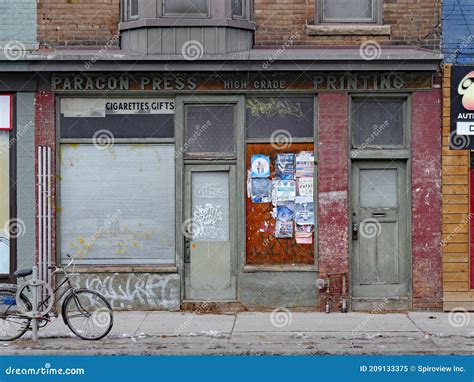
279 332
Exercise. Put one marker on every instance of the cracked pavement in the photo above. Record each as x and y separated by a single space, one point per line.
278 332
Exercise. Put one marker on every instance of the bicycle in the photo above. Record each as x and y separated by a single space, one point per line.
87 313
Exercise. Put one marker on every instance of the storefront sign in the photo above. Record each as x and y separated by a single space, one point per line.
6 112
99 107
183 82
462 108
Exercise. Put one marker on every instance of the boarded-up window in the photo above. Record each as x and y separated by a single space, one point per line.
118 203
262 247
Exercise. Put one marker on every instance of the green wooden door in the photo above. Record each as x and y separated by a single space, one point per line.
380 271
210 237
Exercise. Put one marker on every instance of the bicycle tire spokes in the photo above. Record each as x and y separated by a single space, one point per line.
88 314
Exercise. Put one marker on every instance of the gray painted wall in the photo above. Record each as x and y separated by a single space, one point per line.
278 289
26 178
192 41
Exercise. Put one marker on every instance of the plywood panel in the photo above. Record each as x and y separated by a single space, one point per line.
456 286
456 276
468 305
455 257
262 247
455 267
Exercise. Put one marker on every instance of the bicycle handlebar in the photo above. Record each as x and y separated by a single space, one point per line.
56 267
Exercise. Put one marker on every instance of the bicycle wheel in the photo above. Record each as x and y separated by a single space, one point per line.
88 314
12 323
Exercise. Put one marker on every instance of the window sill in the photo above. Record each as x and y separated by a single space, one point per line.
348 30
167 22
126 269
280 268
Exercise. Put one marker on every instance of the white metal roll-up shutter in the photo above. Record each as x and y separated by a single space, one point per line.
118 203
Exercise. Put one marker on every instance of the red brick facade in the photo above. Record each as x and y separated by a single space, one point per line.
426 200
91 23
333 178
72 23
412 23
45 135
333 207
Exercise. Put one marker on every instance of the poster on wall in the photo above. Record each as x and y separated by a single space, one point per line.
304 234
304 210
286 212
260 190
284 229
304 186
285 166
260 166
304 164
285 190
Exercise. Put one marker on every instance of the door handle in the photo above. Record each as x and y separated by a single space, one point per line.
379 214
355 231
187 250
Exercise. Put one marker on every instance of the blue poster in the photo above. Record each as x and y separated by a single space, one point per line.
285 166
261 190
260 166
304 210
286 211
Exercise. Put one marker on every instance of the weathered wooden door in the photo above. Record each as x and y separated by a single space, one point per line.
210 237
379 262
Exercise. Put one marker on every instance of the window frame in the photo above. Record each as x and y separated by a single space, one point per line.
215 155
245 11
404 147
377 10
309 140
12 168
126 10
184 15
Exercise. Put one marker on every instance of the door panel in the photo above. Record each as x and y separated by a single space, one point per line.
379 260
210 245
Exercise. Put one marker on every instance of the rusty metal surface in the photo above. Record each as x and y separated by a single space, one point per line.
262 247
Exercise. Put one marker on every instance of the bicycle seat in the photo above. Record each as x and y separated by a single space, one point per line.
23 272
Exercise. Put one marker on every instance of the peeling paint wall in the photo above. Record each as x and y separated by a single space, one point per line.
426 200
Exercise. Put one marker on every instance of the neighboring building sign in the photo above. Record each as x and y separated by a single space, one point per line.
6 111
462 108
184 82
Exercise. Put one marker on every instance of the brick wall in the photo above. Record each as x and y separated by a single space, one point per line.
45 135
78 22
412 22
426 200
18 21
333 246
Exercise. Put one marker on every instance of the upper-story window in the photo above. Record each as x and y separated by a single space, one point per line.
186 8
238 9
349 11
130 9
